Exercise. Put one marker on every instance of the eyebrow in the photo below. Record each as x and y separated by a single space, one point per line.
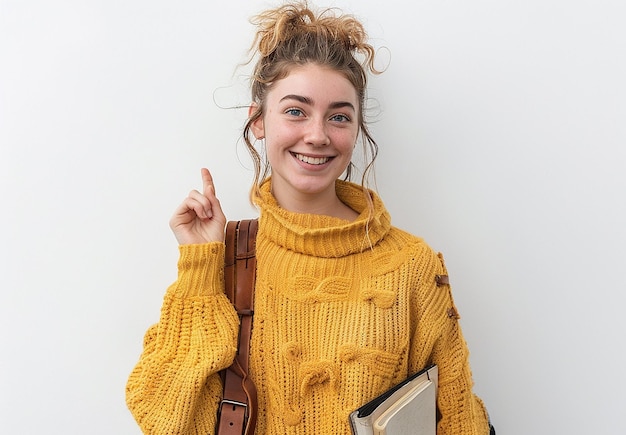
309 101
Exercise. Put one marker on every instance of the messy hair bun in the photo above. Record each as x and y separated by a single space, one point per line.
293 35
281 30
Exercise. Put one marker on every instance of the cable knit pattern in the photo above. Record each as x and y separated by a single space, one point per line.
343 311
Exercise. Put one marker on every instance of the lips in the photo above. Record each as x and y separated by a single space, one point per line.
311 160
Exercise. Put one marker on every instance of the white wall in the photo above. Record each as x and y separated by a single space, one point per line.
503 143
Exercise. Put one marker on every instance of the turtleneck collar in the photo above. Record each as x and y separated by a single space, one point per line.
319 235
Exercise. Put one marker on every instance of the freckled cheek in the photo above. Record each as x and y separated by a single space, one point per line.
277 148
345 143
284 136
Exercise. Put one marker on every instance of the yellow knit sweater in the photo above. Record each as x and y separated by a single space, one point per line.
343 311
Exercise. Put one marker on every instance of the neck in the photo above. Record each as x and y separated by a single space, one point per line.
325 203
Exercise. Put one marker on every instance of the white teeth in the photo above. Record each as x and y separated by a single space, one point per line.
312 160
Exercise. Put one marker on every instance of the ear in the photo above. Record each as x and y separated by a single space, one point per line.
258 126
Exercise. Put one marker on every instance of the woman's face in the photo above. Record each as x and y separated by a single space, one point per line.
310 125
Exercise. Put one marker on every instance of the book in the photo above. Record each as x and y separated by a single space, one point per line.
407 408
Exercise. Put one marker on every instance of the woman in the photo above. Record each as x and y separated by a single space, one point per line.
346 305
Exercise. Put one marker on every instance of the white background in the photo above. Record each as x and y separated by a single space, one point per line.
502 136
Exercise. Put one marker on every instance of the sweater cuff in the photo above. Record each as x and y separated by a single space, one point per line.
200 270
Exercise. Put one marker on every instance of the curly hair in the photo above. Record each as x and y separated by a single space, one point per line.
293 35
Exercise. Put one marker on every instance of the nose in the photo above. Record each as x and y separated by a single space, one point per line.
316 133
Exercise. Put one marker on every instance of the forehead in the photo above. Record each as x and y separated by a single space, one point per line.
317 83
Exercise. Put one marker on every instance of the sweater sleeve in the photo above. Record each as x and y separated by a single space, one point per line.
439 340
175 387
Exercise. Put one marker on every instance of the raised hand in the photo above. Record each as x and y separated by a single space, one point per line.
199 219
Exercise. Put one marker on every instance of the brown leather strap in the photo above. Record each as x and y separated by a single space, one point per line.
238 409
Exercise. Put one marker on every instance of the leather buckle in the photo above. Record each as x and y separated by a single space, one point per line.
233 403
233 415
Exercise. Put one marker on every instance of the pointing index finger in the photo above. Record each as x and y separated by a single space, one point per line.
207 180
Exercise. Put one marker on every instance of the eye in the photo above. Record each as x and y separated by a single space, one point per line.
340 117
294 112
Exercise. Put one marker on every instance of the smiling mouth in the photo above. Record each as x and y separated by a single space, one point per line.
311 160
